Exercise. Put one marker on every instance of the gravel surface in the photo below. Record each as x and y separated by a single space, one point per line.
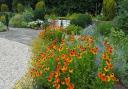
21 35
14 58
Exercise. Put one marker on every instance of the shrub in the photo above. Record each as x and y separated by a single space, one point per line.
28 14
39 10
70 64
20 8
82 20
2 27
40 5
2 19
4 8
121 22
120 59
72 29
18 21
39 14
104 27
36 24
109 7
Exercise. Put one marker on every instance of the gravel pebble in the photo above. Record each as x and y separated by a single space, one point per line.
14 58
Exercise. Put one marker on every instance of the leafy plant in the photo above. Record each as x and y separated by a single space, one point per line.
52 33
72 29
2 27
18 21
109 8
82 20
20 8
4 8
121 22
104 27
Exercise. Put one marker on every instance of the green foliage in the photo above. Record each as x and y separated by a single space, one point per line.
73 29
2 18
104 27
121 22
120 58
4 8
39 14
2 27
39 10
20 8
82 20
18 21
28 14
109 9
40 5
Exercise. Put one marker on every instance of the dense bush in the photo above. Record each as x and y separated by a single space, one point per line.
121 22
28 14
104 27
73 29
18 21
4 8
109 9
2 27
2 18
40 5
120 43
20 8
82 20
39 11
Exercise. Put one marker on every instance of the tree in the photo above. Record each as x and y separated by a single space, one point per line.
4 8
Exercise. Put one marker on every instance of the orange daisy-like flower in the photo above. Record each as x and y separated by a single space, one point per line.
60 49
71 86
64 56
72 38
105 56
110 66
82 48
57 86
43 55
67 81
64 68
94 50
109 49
73 53
102 77
106 69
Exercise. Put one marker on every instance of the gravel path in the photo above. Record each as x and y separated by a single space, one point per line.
14 58
20 35
14 55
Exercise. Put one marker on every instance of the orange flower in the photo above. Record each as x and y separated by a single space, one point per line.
67 81
72 53
57 86
71 86
57 59
60 49
62 82
63 56
106 69
72 38
109 49
82 48
108 78
109 64
105 56
43 55
64 68
94 50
